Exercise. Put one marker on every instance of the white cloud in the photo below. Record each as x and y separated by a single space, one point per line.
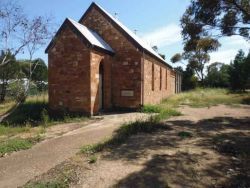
236 41
229 49
164 36
223 56
169 38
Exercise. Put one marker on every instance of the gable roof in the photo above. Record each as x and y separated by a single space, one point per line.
88 35
135 39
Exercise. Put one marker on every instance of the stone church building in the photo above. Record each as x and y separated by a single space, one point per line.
98 64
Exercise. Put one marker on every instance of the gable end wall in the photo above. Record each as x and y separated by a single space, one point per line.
69 74
126 63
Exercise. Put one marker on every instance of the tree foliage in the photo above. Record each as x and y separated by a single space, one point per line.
198 57
7 73
176 58
215 18
239 71
189 80
217 75
202 24
14 76
39 72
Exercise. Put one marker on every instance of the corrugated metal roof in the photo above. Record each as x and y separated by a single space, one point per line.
91 36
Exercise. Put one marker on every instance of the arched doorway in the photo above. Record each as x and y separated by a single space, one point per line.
101 88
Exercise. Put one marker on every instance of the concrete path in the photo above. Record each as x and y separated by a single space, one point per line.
20 167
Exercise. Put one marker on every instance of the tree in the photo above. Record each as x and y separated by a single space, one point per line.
40 70
7 73
198 57
217 75
177 58
239 71
20 33
215 18
247 70
39 73
189 80
162 55
156 49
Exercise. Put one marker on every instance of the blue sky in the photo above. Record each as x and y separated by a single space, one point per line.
157 22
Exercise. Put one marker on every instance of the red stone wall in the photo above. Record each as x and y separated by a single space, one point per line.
154 95
126 63
74 72
172 81
69 74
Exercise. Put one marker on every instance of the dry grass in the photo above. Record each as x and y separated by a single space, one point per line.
207 97
6 106
30 118
9 129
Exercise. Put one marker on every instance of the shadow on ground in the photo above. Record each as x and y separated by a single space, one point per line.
217 155
161 169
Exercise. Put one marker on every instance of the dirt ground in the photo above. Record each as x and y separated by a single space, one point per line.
214 153
61 143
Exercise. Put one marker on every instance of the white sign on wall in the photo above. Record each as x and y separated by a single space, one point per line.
127 93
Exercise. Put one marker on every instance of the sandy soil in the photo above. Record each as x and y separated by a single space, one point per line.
217 154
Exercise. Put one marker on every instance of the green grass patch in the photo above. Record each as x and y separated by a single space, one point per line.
10 131
17 144
33 113
167 113
92 159
185 134
29 112
205 97
162 112
150 125
151 109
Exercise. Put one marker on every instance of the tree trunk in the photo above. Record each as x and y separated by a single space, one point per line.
202 80
3 92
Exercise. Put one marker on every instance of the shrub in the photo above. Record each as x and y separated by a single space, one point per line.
45 117
151 109
92 159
